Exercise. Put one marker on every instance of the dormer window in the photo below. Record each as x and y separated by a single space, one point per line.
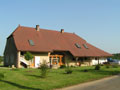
85 46
31 42
77 45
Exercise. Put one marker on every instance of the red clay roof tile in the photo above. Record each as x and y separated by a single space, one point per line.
50 40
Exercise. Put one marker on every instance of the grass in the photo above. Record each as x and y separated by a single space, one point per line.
29 79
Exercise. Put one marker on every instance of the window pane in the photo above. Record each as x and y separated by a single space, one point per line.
31 42
77 45
85 46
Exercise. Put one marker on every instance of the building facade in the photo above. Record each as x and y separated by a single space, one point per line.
55 47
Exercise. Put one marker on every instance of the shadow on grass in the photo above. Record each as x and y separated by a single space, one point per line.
2 66
36 76
19 86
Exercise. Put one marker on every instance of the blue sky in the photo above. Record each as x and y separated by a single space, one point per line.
97 21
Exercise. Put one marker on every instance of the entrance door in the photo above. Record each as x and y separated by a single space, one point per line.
55 61
37 61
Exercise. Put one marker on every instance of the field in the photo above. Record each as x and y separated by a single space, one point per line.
30 79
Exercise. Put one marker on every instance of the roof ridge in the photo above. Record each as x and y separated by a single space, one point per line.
26 27
55 30
47 29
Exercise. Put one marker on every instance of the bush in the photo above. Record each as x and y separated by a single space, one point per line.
1 59
44 69
68 70
72 66
2 76
97 67
28 56
107 66
85 70
62 66
115 66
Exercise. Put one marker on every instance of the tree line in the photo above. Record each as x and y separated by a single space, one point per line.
116 56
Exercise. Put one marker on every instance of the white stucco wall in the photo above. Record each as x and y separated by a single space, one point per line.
101 61
42 57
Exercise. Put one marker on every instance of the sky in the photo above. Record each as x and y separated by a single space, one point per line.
97 21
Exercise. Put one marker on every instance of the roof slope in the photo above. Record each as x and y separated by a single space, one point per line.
49 40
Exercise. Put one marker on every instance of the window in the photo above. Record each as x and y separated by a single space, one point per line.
85 46
77 45
31 42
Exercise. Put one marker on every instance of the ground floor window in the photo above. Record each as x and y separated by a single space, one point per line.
56 59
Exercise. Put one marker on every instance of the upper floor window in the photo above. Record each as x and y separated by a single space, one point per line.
31 42
85 46
77 45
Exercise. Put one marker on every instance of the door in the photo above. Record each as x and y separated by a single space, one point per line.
37 61
55 61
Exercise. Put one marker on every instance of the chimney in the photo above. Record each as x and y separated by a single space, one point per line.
37 27
62 30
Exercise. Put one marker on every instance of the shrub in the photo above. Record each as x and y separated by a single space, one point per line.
62 66
107 66
44 69
72 66
85 70
1 59
28 56
97 67
68 70
115 66
2 76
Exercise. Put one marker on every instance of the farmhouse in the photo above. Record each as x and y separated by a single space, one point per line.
55 47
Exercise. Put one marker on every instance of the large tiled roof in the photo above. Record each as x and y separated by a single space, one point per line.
50 40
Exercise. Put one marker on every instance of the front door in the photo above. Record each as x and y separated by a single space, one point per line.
55 61
37 61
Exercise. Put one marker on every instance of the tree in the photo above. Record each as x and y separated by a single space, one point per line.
1 59
44 69
28 56
116 56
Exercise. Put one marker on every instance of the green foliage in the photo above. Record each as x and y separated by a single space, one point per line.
107 66
115 66
72 66
44 69
116 56
1 59
97 67
85 70
28 56
68 70
2 76
62 66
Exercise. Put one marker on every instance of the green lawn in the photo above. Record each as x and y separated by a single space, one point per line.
29 79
